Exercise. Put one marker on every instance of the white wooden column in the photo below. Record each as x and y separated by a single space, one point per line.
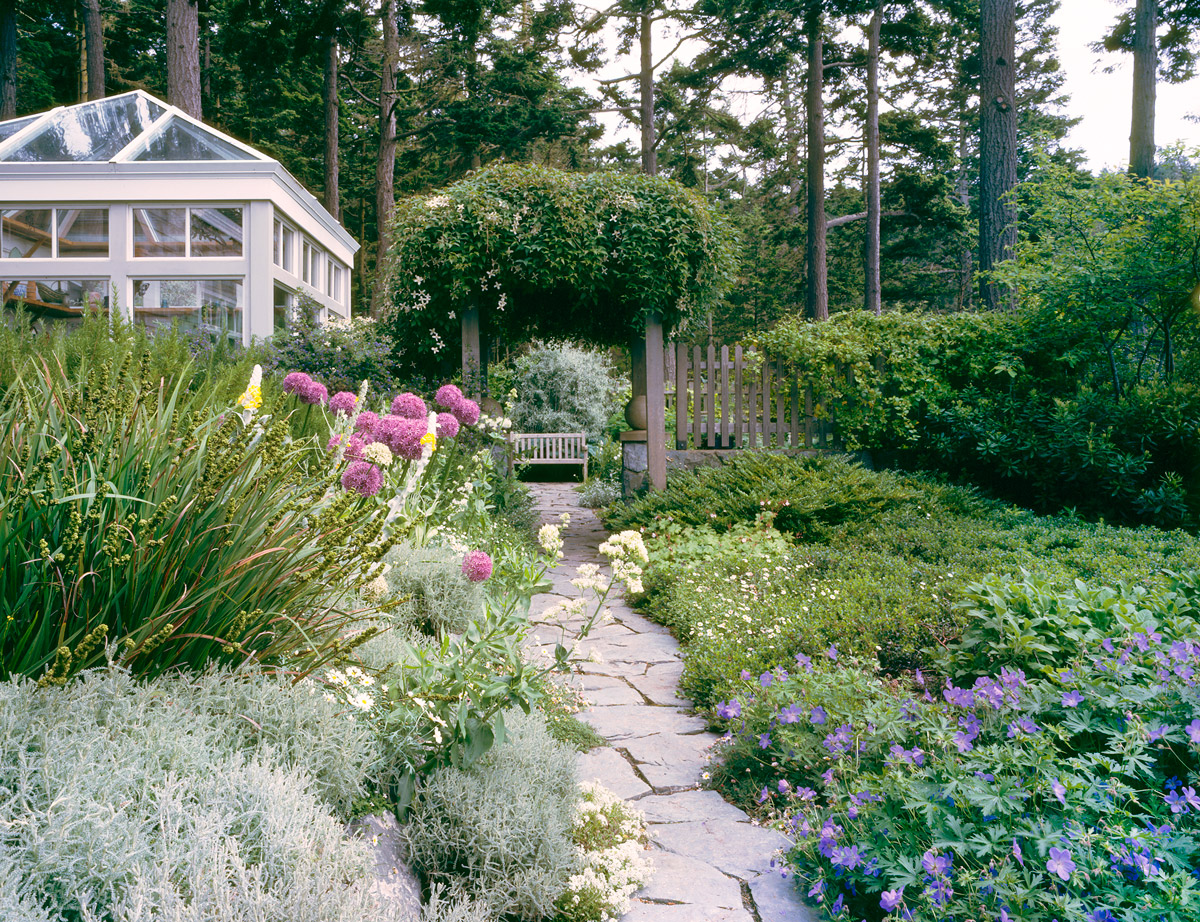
258 318
656 404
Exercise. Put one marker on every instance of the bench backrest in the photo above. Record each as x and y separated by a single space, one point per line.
551 447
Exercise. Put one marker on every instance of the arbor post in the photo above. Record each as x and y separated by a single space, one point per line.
472 355
656 404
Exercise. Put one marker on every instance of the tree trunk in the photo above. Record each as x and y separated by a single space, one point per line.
817 293
1145 66
385 164
873 292
93 39
966 257
330 94
997 145
183 56
646 89
8 59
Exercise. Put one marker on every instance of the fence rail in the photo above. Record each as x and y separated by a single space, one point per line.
735 398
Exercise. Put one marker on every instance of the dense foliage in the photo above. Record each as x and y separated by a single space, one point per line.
767 557
553 254
563 388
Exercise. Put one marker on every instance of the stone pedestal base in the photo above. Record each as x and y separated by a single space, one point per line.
635 462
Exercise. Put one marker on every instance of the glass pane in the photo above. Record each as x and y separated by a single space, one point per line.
289 247
24 232
216 232
56 298
159 231
91 131
208 305
82 232
283 308
306 263
12 126
277 244
180 140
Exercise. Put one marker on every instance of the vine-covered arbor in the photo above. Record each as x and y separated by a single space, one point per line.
519 251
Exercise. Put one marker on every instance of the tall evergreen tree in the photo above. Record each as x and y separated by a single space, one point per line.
997 143
183 56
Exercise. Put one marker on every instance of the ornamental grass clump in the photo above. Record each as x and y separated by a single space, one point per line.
1066 792
137 516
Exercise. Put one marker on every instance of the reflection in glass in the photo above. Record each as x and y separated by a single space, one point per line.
216 232
159 231
284 304
82 232
24 232
12 126
209 305
56 298
90 131
181 140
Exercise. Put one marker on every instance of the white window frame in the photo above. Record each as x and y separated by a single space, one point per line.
188 208
54 209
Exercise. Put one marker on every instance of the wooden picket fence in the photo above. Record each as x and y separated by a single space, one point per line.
734 399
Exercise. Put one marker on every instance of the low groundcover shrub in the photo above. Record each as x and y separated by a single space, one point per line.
1066 790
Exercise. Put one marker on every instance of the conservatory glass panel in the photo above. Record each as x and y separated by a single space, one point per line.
82 232
160 232
181 140
12 126
25 232
56 298
90 131
208 305
216 232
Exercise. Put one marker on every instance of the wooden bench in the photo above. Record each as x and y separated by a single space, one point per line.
551 448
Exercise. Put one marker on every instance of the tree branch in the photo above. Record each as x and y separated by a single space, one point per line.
851 218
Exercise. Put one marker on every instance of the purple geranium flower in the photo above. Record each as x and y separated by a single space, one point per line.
729 710
409 405
1193 731
1061 863
766 679
891 899
477 566
848 858
764 741
818 715
1059 790
936 865
790 714
1072 699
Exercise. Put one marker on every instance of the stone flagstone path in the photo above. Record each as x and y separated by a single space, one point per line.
712 864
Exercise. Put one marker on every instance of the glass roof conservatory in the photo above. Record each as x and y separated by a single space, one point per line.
129 204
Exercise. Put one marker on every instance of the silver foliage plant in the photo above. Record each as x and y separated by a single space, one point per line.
562 387
201 800
502 828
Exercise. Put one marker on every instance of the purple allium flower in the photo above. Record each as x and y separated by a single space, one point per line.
1193 731
891 899
818 715
447 426
294 381
365 423
363 477
402 436
1060 863
1072 699
448 396
313 392
467 412
409 405
729 710
343 402
477 566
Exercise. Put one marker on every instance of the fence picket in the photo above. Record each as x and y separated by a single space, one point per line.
681 395
738 421
697 398
766 403
794 404
711 389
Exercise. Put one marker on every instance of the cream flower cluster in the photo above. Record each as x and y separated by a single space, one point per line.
353 683
611 873
626 551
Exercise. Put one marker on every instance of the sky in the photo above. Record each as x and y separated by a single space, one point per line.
1104 101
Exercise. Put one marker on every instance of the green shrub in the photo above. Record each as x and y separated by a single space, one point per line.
872 562
135 513
563 388
502 826
164 800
